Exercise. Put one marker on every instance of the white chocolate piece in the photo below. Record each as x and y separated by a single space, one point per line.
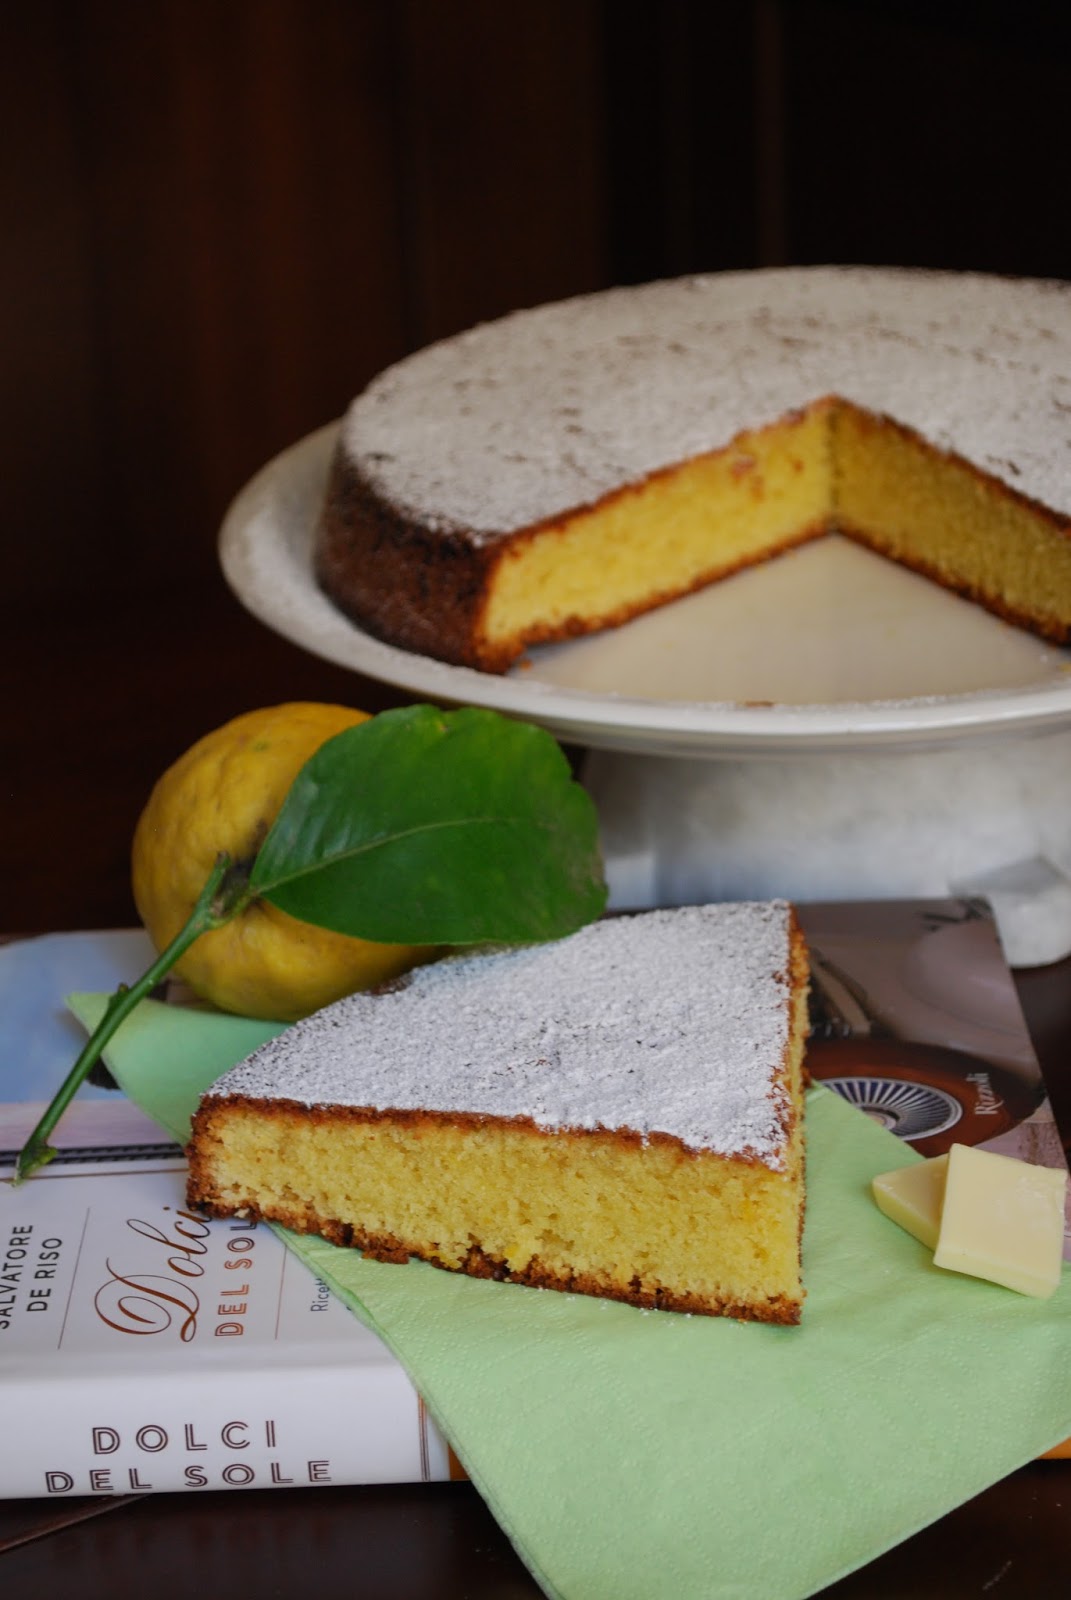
1002 1220
913 1197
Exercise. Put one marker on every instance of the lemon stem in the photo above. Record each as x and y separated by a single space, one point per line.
222 896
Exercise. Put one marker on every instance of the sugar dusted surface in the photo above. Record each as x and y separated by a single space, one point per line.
519 420
672 1022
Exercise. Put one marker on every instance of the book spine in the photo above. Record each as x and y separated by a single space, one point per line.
190 1432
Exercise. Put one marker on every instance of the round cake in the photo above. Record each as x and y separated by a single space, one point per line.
564 468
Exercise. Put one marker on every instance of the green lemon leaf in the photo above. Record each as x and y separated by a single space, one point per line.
428 827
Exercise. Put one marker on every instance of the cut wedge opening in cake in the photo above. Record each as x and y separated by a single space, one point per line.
619 1113
568 468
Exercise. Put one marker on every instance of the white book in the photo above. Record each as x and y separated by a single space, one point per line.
142 1347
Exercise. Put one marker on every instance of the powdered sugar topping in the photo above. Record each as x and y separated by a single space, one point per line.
672 1022
519 420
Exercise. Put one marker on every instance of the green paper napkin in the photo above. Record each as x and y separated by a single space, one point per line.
630 1453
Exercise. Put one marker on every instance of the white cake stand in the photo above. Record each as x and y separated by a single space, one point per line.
826 726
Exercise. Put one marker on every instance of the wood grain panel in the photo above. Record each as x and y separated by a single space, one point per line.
46 292
503 139
222 268
225 218
928 135
220 221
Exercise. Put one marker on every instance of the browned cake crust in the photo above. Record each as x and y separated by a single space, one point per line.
403 582
427 591
302 1217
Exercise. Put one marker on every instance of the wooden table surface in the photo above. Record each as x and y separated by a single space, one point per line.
90 725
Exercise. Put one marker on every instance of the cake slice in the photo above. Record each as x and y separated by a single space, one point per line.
618 1113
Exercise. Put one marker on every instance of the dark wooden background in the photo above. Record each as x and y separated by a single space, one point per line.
221 217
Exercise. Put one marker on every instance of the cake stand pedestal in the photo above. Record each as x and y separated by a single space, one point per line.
989 819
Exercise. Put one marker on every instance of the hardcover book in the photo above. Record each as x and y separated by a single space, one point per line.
144 1348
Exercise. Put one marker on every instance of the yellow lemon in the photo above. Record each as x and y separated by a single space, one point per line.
223 795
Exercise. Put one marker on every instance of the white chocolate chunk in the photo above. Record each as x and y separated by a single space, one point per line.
1002 1220
913 1197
